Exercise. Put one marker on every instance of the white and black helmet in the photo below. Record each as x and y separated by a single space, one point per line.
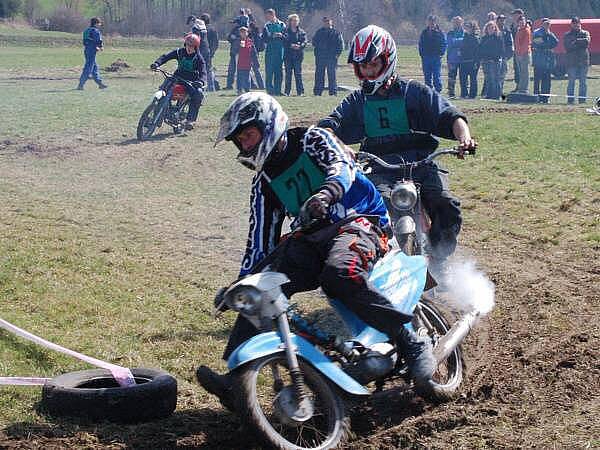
254 109
367 45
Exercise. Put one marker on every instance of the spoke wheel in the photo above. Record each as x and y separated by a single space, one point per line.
149 120
259 394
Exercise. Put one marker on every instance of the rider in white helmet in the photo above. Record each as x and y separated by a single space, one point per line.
399 120
309 176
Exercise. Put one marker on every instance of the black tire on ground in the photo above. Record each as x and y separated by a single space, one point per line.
449 376
252 394
94 394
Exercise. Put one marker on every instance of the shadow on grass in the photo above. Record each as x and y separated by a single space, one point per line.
202 428
30 351
153 138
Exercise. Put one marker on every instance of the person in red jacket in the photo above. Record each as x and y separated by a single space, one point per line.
244 63
523 53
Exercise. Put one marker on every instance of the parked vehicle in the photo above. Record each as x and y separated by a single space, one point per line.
170 104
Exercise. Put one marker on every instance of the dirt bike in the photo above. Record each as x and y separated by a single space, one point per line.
410 222
169 105
290 387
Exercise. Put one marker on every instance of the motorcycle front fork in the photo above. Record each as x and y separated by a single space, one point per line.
292 360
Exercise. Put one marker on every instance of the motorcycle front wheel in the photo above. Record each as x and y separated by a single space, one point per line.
261 384
149 120
449 374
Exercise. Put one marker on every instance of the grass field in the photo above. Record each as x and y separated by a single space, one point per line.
115 248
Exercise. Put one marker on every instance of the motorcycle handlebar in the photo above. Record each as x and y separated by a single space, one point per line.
363 156
172 75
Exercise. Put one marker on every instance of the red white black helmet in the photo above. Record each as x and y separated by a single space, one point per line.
368 44
193 39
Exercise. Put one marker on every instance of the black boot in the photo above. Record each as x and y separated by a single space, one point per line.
418 354
219 385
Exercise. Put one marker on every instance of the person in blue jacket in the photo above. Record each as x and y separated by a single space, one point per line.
432 46
455 37
92 43
398 120
310 176
190 67
273 38
543 59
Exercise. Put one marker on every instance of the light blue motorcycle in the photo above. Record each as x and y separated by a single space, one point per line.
290 387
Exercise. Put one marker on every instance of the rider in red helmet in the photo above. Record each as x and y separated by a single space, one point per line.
191 67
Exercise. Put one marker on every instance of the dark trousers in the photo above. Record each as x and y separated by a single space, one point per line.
491 76
231 70
441 206
90 68
574 74
243 80
542 80
339 259
323 64
273 73
432 71
293 65
258 79
468 79
453 71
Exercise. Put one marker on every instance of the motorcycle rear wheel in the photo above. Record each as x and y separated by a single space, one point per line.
256 391
449 374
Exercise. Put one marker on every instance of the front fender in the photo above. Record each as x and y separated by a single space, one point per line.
266 344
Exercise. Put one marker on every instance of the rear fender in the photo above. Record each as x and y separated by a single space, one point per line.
270 343
159 94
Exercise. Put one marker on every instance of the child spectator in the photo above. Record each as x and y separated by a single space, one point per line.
244 62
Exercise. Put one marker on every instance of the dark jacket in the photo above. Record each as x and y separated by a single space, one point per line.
213 40
256 36
92 39
454 38
576 45
542 44
189 67
491 47
233 37
294 37
509 44
470 48
432 43
327 43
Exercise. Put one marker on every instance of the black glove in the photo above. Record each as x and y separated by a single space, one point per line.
315 208
153 66
219 301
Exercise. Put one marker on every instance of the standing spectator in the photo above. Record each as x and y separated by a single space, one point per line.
199 29
576 43
455 38
213 45
244 62
469 65
543 59
523 53
294 43
432 46
509 48
328 45
491 50
243 20
256 80
233 37
92 43
515 16
273 39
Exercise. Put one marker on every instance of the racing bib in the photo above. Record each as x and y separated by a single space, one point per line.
294 186
386 118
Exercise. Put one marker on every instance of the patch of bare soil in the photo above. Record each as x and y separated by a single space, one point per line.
48 149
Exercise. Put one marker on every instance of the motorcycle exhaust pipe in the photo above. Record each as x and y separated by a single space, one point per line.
455 335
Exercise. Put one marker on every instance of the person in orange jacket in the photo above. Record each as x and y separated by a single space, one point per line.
523 53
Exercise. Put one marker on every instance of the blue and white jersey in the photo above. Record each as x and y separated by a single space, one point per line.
313 159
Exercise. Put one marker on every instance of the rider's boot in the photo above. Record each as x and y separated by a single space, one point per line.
101 85
418 354
216 384
188 125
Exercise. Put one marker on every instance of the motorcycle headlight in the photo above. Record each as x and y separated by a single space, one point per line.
404 196
244 299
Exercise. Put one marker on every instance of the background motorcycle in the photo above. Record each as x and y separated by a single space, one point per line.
169 105
290 388
410 221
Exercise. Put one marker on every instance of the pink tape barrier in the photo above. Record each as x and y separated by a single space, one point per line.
122 375
23 381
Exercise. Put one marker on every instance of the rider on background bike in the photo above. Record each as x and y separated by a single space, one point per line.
309 175
398 120
190 67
